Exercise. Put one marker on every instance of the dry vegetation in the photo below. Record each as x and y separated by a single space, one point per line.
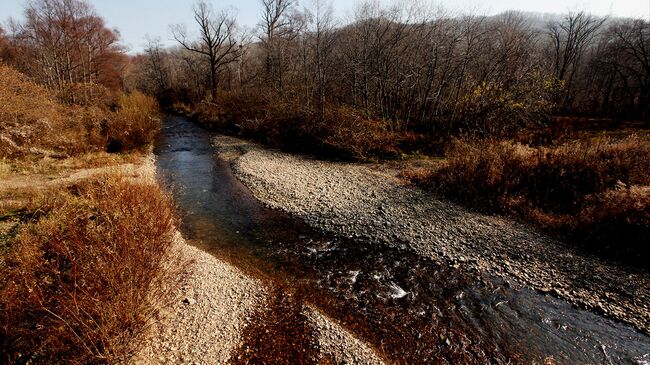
500 94
341 132
595 192
81 261
78 264
35 123
78 285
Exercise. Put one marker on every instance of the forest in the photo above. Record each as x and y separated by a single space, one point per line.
543 118
552 109
540 117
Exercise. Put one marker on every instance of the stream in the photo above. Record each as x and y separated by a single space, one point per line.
410 309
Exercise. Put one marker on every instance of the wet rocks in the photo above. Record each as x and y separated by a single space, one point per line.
354 200
336 342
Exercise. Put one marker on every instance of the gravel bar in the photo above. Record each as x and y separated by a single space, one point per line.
355 200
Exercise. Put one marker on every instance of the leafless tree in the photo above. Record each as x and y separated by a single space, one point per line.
217 40
620 70
156 64
63 42
281 23
322 46
570 37
414 67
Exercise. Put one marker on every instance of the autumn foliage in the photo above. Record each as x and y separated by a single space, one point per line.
84 273
35 121
594 192
82 278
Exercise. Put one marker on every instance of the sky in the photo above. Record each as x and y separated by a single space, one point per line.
135 19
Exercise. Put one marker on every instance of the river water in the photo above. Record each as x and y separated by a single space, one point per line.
411 309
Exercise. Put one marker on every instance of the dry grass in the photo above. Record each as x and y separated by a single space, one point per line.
134 124
33 122
593 191
51 167
79 283
341 132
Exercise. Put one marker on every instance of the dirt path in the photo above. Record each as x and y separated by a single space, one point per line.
356 201
40 181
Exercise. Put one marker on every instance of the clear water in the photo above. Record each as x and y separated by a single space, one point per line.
410 309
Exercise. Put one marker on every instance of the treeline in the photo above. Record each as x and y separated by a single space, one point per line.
408 66
497 95
64 89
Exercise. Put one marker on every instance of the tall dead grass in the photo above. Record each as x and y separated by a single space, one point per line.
339 131
134 124
79 284
596 192
35 122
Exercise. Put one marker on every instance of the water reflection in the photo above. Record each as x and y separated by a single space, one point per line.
411 309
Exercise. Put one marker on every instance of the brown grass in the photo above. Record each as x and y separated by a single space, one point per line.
52 167
134 124
77 286
593 191
341 132
33 121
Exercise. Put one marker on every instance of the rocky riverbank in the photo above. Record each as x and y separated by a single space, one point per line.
213 303
209 311
358 201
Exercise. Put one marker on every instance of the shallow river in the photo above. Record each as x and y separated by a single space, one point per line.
408 308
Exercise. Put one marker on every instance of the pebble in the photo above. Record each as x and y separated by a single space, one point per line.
358 199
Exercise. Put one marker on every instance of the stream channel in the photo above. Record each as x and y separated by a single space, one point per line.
409 308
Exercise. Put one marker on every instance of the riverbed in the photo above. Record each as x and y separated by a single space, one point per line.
408 307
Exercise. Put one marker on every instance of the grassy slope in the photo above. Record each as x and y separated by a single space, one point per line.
78 259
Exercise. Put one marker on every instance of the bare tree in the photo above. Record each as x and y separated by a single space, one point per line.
64 42
217 40
620 70
413 67
323 42
274 22
155 62
570 37
280 24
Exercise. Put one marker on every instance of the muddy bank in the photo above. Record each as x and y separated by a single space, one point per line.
356 201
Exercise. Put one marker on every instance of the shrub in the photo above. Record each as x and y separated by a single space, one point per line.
34 122
77 285
351 134
488 109
27 113
134 124
88 94
619 219
590 190
341 132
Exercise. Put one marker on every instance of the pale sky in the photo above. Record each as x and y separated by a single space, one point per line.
137 18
